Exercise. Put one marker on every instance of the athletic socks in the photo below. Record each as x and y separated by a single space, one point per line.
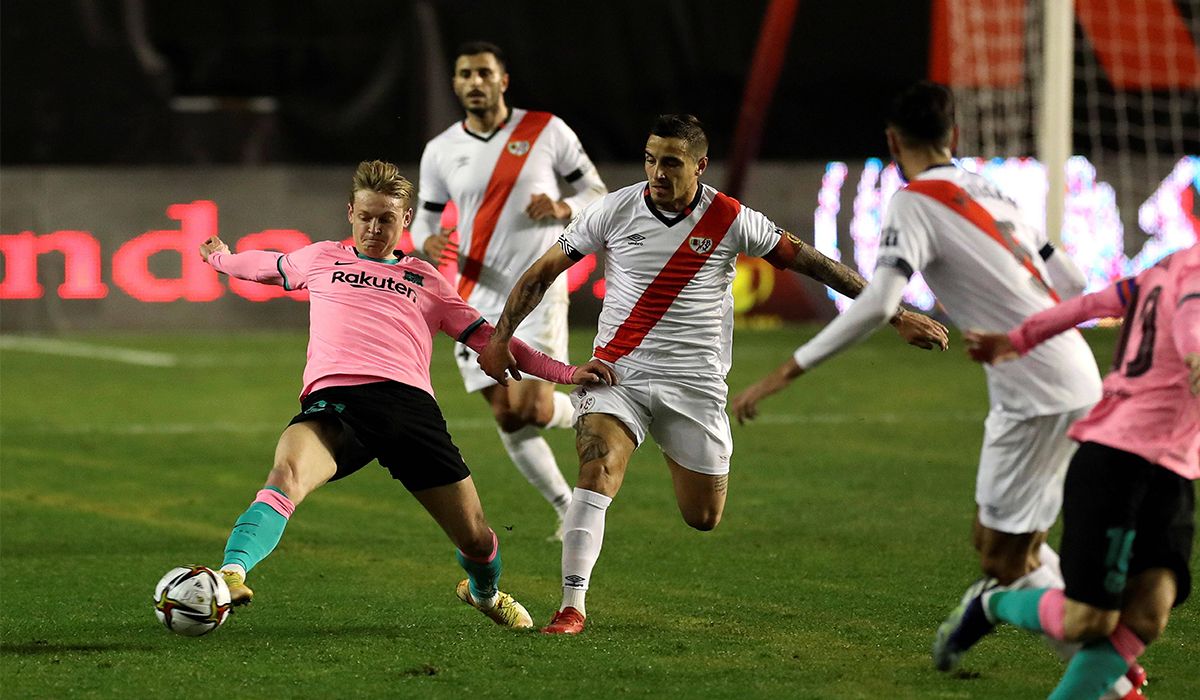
1098 665
582 537
532 455
564 412
258 530
483 574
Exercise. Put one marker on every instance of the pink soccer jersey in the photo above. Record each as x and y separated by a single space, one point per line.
372 320
1147 408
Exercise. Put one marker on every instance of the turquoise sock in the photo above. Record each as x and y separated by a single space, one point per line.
483 576
1091 672
1018 607
255 534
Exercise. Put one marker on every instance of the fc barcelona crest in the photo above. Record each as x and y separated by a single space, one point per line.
518 148
700 245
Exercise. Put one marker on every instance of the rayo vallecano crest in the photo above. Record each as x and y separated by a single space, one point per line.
518 148
700 244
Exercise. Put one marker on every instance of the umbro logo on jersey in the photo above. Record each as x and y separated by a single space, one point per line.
700 244
636 239
413 277
518 148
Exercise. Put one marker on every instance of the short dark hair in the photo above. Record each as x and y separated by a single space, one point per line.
923 113
682 126
472 48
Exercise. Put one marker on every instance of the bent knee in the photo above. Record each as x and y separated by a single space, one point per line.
1148 625
1089 625
703 520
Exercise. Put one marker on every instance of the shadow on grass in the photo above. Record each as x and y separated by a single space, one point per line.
38 647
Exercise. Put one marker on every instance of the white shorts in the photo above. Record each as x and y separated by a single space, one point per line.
1022 465
685 416
545 329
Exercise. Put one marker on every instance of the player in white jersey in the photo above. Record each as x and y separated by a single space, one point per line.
671 247
989 269
501 167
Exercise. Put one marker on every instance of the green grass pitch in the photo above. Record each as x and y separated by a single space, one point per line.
844 542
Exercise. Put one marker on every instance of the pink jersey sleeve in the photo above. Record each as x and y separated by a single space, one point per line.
537 363
289 271
254 265
1110 301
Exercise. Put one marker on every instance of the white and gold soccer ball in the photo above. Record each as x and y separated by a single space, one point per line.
191 600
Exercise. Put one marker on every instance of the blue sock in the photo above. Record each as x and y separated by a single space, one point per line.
483 575
1091 672
259 529
1018 607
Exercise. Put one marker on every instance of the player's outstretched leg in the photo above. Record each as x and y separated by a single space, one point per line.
480 592
254 536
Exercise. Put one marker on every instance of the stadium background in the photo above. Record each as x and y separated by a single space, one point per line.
128 124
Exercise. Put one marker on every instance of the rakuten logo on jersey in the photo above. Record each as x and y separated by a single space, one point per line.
363 280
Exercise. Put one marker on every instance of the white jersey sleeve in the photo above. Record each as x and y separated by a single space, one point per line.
759 234
433 198
586 232
571 163
908 239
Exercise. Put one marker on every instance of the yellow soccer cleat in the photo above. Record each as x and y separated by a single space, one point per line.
507 612
239 592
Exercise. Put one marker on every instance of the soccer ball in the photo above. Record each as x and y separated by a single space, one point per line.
191 600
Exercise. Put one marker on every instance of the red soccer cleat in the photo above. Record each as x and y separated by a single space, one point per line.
1137 675
566 621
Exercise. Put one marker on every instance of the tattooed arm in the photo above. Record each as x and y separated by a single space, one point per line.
496 358
794 254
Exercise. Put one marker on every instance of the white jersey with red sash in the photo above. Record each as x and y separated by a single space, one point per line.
491 179
668 304
981 260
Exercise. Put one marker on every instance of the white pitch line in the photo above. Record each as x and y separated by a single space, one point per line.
50 346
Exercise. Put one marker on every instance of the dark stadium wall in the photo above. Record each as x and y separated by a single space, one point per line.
234 82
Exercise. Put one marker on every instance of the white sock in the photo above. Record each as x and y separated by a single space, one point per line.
581 545
235 568
1048 557
535 460
564 412
1120 688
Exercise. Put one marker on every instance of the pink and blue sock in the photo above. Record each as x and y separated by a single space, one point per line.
259 529
484 573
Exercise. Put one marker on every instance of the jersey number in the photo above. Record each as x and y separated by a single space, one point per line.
1140 364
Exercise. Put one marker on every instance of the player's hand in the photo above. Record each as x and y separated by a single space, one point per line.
989 348
1192 360
594 373
745 404
439 248
212 245
542 207
921 331
497 359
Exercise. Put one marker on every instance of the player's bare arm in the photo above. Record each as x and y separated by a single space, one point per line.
496 357
212 245
916 329
745 404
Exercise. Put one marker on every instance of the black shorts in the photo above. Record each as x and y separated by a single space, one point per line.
1123 515
399 425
